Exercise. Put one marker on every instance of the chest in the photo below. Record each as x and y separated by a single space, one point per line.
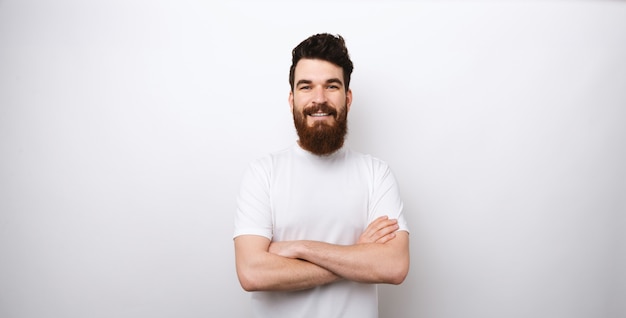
320 203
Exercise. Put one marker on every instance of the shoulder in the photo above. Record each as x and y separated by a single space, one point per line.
267 161
369 160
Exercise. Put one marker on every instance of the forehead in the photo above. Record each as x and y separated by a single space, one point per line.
317 70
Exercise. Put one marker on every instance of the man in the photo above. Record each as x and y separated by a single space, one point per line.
319 225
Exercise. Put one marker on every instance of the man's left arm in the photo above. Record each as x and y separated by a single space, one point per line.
367 261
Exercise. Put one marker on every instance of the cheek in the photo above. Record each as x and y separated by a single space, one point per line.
299 104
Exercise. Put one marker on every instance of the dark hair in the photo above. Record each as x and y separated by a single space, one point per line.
325 47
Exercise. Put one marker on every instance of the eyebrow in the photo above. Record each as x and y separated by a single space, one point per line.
328 81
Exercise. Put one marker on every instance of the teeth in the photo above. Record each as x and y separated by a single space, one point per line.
319 114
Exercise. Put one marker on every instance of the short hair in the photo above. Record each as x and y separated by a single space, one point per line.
323 46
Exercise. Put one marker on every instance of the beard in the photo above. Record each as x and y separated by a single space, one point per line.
321 138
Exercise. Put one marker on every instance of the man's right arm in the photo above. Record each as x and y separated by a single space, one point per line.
257 268
260 270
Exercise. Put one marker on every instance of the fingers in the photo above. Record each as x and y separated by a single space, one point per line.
386 238
382 225
284 248
381 230
386 232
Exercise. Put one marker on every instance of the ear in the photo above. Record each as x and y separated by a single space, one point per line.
348 99
291 101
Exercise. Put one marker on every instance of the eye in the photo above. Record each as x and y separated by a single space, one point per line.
304 87
333 86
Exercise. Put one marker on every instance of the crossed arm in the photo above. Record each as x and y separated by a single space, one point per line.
381 255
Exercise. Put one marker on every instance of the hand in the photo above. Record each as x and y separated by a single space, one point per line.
284 248
381 230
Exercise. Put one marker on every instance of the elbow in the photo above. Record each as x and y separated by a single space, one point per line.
247 281
398 266
397 274
247 285
398 278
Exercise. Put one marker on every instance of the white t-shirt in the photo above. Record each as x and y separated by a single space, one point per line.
296 195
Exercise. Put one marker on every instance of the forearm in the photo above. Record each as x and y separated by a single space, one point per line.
259 270
366 263
277 273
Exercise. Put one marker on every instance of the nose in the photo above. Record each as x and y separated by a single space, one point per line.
319 96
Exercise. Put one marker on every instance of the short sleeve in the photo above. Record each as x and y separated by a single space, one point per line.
254 215
386 199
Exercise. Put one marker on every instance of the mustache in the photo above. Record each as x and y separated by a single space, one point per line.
324 108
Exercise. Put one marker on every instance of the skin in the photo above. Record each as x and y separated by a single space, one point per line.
380 255
316 82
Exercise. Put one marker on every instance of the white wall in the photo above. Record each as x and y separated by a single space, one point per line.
125 127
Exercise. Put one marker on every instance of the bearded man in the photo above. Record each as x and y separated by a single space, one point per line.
318 225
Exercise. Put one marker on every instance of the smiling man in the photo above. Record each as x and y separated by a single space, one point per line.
318 225
320 102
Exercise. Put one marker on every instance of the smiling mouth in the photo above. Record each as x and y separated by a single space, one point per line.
320 111
319 114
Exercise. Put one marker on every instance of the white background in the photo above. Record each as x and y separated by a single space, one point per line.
125 127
